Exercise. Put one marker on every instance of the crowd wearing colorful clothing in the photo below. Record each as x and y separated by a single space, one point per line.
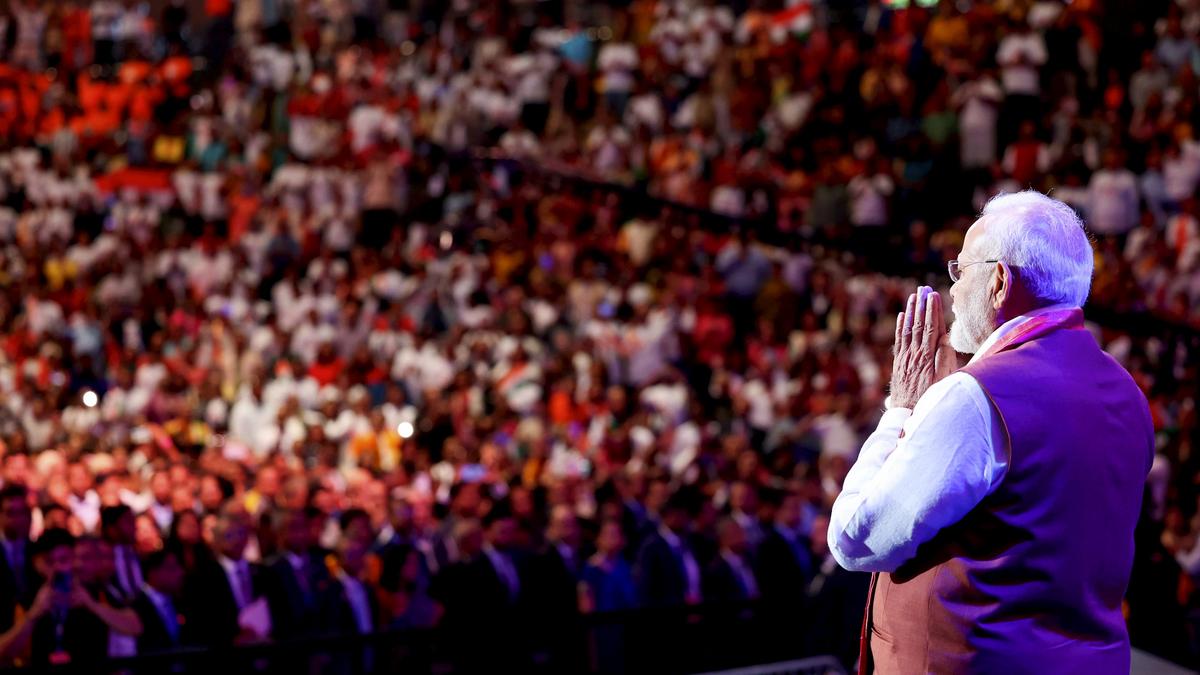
348 316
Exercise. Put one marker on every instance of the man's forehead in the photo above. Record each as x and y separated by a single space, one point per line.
974 233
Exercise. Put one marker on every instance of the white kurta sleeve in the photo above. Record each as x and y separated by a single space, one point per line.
904 488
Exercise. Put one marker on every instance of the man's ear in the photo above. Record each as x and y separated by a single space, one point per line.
1002 285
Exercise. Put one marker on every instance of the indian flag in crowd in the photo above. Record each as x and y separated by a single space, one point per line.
795 21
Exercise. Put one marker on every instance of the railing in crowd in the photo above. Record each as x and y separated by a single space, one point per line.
695 639
1139 323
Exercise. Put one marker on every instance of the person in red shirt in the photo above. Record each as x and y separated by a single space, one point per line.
328 366
1028 158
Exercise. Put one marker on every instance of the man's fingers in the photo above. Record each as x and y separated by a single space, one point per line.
899 329
909 319
947 359
919 318
932 322
938 313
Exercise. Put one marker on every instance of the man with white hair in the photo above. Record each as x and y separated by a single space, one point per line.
996 502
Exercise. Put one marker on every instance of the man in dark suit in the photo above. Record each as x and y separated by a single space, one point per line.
294 580
18 580
481 592
502 560
668 575
784 562
155 603
834 594
398 539
349 605
465 501
222 587
743 507
666 571
460 586
553 575
729 577
117 526
478 604
552 590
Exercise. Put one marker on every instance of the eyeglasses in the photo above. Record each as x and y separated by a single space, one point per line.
955 267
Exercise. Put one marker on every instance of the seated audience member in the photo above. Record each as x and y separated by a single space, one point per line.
551 597
350 605
783 562
667 571
18 579
294 579
95 570
553 573
606 583
404 591
480 592
346 266
729 577
834 596
221 592
186 540
118 526
162 624
66 623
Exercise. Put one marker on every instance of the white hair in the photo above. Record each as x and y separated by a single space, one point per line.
1044 240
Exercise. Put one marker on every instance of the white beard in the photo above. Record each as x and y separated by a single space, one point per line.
971 327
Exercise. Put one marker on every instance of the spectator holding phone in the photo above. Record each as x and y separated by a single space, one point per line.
65 624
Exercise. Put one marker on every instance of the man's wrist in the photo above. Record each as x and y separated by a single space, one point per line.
900 399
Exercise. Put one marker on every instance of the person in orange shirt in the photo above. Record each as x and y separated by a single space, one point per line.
561 408
175 71
243 204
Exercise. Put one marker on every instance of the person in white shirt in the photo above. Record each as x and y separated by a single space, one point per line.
944 447
973 464
1150 79
607 146
83 500
530 76
636 239
1113 197
521 143
1181 169
869 193
249 415
1021 54
618 63
159 502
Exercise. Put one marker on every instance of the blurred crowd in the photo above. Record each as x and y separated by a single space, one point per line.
344 316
